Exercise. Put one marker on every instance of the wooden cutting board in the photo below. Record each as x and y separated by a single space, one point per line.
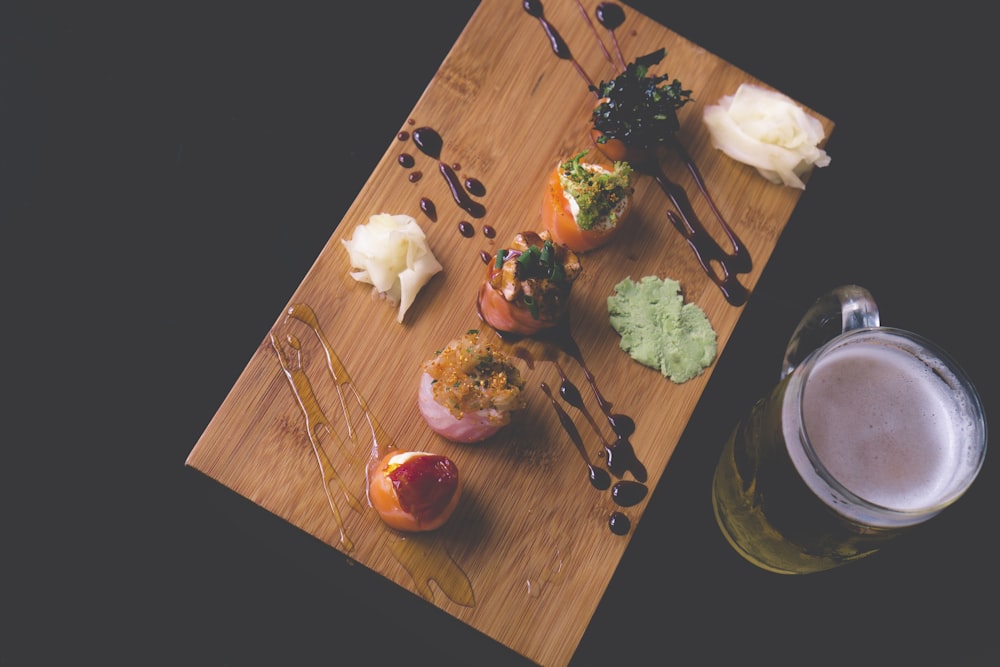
529 553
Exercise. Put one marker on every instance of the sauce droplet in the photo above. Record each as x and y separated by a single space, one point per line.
427 206
610 15
475 187
628 493
619 523
428 141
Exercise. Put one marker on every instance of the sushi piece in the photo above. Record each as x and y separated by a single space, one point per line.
587 202
469 389
415 491
527 285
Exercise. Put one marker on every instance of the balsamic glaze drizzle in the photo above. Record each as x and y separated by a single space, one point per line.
599 478
430 143
619 456
611 16
721 267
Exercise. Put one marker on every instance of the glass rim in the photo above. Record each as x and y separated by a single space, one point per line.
964 383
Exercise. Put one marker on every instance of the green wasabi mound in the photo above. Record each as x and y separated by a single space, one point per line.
659 330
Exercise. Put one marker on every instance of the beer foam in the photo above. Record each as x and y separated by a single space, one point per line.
890 428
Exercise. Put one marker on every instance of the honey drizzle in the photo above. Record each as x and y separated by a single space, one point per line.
382 444
315 419
423 556
425 561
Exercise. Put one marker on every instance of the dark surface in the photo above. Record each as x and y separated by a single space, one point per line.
167 177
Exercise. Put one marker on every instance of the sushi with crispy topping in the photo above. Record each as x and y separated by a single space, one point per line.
587 201
469 389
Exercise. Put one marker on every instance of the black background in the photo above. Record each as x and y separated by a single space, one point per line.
168 174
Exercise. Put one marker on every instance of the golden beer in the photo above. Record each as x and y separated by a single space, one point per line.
875 432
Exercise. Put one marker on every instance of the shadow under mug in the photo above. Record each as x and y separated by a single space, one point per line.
869 431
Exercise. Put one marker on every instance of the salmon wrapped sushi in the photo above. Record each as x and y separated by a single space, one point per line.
587 202
527 285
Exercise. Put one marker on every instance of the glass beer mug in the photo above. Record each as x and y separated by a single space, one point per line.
870 430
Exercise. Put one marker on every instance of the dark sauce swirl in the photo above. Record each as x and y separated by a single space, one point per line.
619 455
430 143
559 46
721 267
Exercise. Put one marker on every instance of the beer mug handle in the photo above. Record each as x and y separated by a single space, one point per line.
841 309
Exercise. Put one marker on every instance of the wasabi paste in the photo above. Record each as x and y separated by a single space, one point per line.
659 330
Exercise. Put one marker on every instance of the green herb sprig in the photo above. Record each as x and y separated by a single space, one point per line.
535 262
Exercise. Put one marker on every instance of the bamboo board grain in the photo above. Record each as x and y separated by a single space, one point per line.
530 539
